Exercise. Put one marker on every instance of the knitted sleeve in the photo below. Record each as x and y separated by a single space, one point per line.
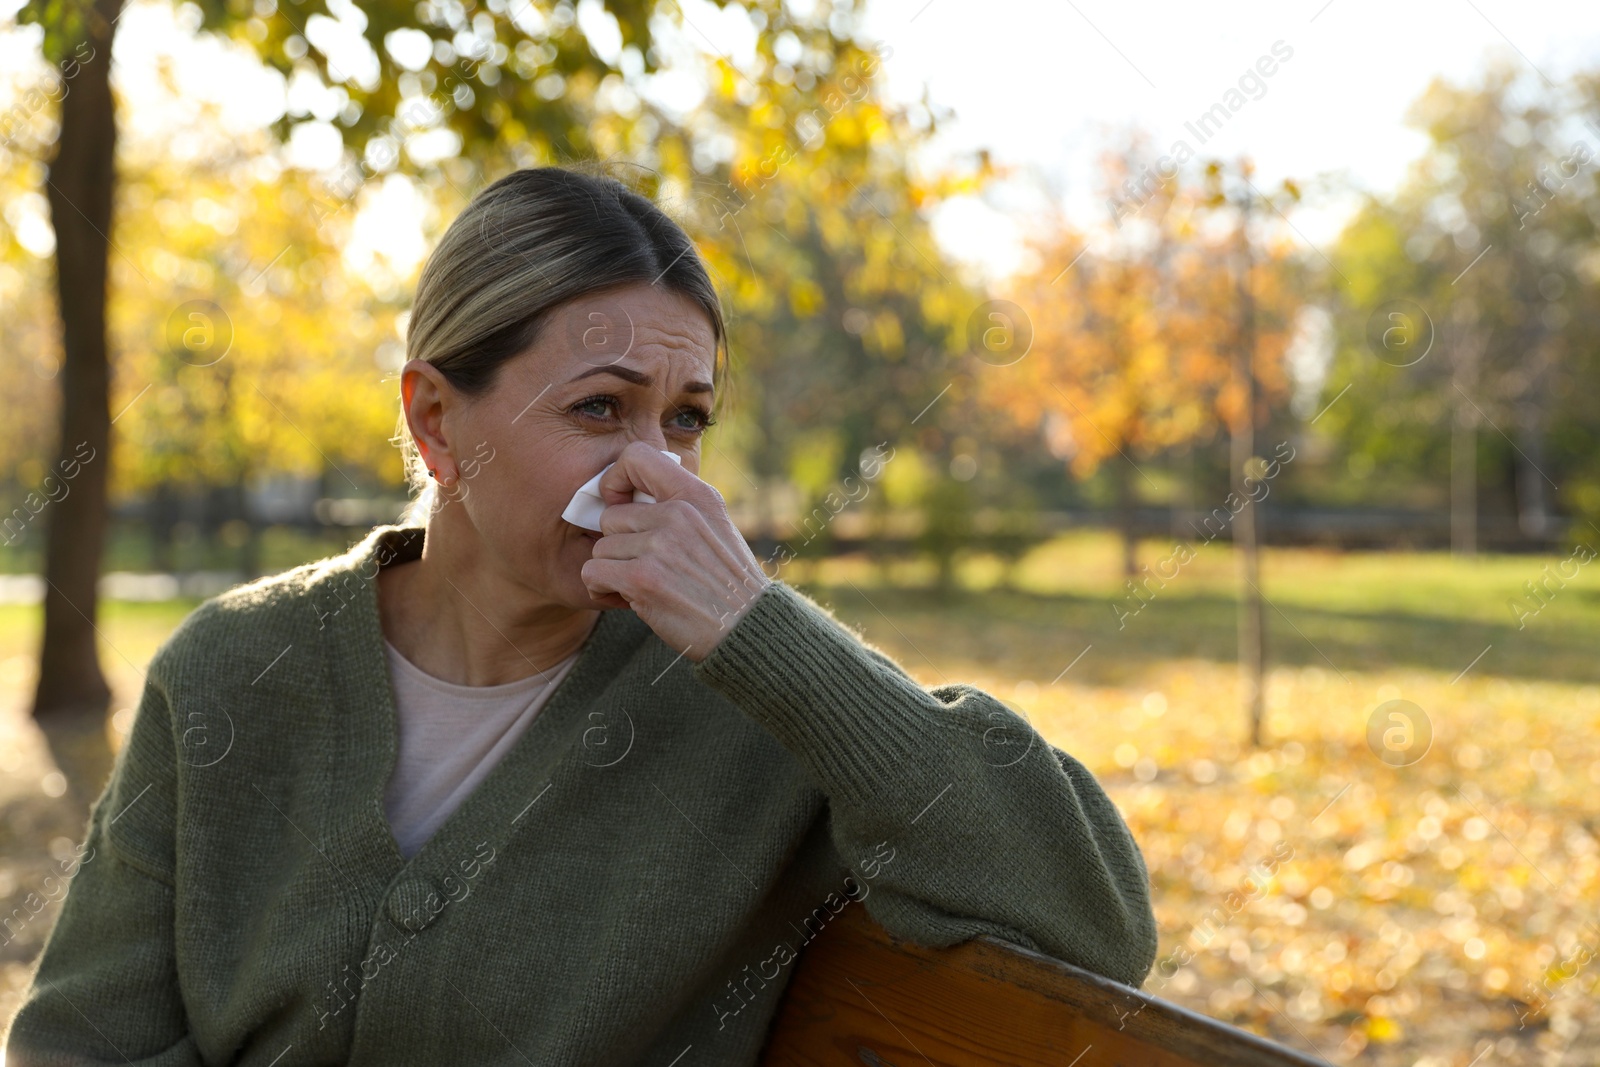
973 823
106 988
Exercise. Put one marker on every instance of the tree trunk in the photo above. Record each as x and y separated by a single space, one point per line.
1464 484
79 191
764 537
1183 503
1466 348
883 554
250 547
1533 498
161 515
1252 653
1125 504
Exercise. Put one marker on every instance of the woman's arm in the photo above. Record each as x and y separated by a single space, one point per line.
106 988
988 828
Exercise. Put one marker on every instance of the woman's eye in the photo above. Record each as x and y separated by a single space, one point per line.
604 408
698 420
588 407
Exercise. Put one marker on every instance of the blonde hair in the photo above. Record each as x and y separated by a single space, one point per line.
526 244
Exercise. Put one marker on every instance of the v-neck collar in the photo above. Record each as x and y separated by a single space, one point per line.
364 727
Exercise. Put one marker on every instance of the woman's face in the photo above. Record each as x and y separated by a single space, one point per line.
631 364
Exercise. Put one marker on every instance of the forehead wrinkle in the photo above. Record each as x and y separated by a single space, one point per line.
651 371
657 350
656 342
668 336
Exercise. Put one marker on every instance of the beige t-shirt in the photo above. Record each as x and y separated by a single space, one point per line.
451 737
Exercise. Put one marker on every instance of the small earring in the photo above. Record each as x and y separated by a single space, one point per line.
433 473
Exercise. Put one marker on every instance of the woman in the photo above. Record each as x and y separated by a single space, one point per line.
495 788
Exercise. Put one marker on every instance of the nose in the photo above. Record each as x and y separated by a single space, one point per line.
651 435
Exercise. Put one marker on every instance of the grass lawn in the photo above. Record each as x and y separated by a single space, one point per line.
1387 915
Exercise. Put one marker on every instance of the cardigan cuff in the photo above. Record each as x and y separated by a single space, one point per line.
854 722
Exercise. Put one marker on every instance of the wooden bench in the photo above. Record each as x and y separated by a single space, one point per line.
861 996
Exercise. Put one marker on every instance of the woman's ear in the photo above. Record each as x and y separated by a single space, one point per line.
426 397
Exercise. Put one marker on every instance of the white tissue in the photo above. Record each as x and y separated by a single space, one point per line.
587 506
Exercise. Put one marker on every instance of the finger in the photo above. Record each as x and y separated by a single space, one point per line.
620 546
637 518
629 518
603 576
644 468
626 475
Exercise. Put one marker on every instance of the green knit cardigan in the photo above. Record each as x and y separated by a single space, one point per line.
630 885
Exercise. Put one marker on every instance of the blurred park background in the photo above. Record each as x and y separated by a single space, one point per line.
1227 407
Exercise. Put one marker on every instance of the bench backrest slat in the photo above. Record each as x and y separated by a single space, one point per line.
860 996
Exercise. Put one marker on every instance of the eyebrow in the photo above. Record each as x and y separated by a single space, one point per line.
638 378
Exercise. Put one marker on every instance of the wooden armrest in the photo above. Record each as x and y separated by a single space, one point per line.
861 996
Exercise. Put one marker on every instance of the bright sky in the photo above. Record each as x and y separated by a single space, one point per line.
1040 83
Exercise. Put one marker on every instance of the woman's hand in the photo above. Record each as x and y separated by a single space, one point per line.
679 563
